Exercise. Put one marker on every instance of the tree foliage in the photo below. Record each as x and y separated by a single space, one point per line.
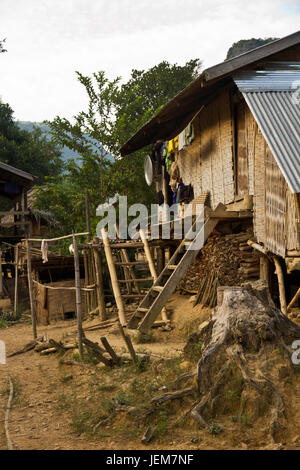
28 151
115 111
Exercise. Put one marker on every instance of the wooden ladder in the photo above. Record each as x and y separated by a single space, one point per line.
169 278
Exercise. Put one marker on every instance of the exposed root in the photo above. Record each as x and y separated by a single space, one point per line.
246 328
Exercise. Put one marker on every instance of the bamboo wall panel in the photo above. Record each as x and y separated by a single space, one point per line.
276 190
293 221
259 186
208 162
241 150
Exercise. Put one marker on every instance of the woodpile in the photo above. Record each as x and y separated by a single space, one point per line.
225 260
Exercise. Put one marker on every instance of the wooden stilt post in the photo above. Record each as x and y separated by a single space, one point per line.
86 279
99 288
160 259
1 278
152 267
148 255
113 277
87 214
16 280
281 286
30 287
78 296
264 273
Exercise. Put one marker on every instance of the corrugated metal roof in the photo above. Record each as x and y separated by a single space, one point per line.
178 112
287 77
278 117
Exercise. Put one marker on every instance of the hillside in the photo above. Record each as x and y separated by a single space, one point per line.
245 45
66 152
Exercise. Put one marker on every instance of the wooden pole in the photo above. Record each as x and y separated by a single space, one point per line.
86 277
1 278
294 300
148 255
128 343
30 288
78 296
127 270
281 286
16 280
152 268
99 282
113 277
87 214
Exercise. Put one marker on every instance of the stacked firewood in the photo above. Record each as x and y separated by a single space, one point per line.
225 260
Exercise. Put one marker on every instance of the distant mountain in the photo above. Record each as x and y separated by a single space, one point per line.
66 152
245 45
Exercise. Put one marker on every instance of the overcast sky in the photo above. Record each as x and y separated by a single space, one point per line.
47 40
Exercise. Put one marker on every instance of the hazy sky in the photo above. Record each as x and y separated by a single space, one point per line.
47 40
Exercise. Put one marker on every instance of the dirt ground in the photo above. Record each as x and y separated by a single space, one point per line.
56 406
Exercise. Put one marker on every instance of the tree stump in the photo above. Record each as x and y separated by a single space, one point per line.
246 351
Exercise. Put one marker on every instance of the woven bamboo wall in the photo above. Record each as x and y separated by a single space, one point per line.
53 304
276 216
208 162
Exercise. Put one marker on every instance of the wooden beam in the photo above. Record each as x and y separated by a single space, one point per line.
113 277
99 285
280 277
78 297
30 288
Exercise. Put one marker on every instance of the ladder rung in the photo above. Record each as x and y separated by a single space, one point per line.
157 288
171 266
142 309
140 279
131 263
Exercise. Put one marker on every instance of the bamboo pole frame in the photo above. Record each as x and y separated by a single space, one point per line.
1 278
152 267
99 285
30 288
78 296
16 280
113 277
280 276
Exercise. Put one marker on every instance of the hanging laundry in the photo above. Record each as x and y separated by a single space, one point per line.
44 250
189 133
181 140
174 176
173 144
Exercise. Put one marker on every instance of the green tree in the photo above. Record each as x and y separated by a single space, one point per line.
115 111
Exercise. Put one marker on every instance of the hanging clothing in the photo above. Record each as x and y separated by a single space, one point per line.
174 175
173 144
44 250
181 140
189 133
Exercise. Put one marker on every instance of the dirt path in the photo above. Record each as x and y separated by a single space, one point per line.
35 420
